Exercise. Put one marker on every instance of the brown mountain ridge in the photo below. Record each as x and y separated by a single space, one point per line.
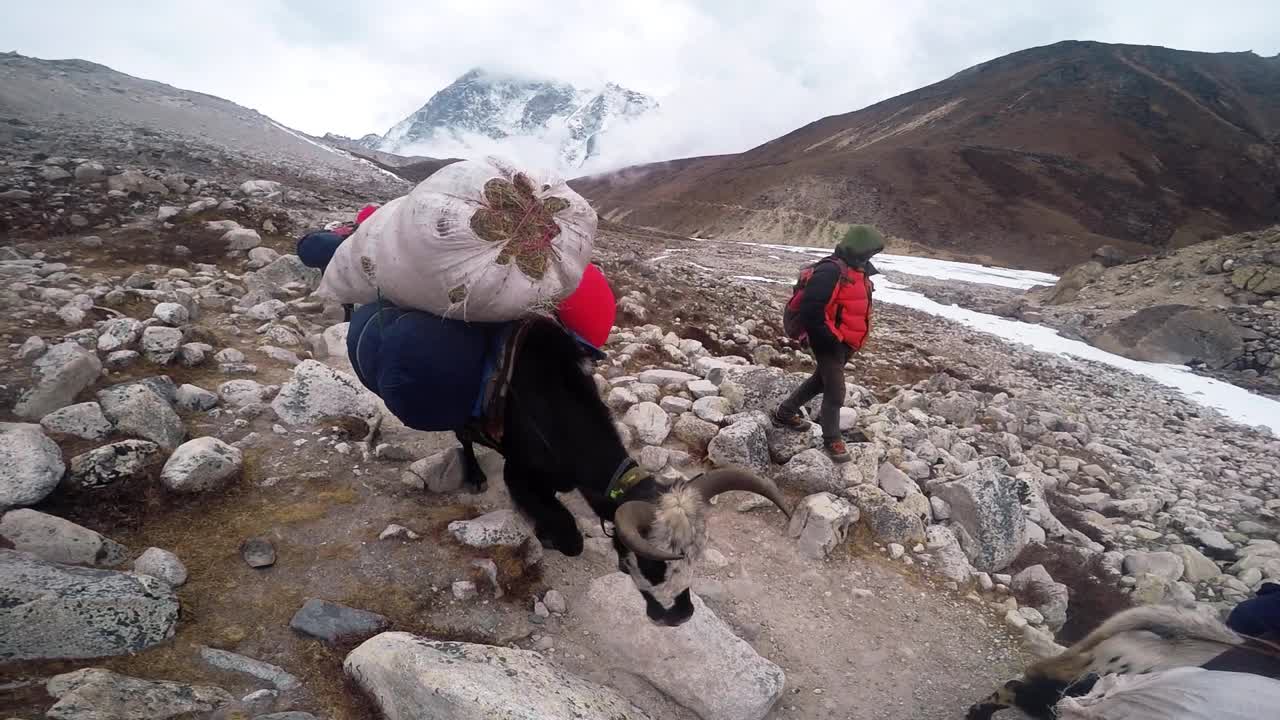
1034 159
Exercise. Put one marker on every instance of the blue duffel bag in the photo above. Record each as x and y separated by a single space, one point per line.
429 370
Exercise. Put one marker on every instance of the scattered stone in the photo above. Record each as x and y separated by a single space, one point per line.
951 561
98 694
161 564
136 409
1215 544
821 522
171 313
242 393
393 531
195 399
83 420
160 344
702 389
465 590
391 453
651 423
30 466
1196 567
713 409
667 378
889 520
61 374
1038 589
743 444
242 239
68 612
1165 564
812 471
258 552
259 188
32 348
201 465
719 676
895 482
318 391
501 527
265 672
57 540
440 473
410 677
111 464
555 602
266 310
696 434
941 508
337 624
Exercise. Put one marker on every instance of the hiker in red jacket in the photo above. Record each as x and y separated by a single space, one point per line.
831 309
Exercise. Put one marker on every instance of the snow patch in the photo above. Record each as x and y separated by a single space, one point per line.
940 269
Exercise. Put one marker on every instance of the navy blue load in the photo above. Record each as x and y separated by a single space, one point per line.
429 370
316 249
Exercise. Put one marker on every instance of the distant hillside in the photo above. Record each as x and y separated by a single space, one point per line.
67 107
1034 159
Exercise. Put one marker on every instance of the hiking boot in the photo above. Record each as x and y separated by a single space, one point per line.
793 421
837 451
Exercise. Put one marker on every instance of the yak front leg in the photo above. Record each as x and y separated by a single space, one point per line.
473 477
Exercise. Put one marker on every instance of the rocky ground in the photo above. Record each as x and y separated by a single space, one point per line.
201 516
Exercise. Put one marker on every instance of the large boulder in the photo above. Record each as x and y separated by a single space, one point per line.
200 465
318 391
138 410
53 611
52 538
743 444
30 467
98 694
987 516
1175 334
820 523
60 375
111 464
701 664
1073 281
756 388
889 520
409 677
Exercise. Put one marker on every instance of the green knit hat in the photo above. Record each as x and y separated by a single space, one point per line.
860 241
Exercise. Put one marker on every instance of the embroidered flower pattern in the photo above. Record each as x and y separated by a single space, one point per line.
522 222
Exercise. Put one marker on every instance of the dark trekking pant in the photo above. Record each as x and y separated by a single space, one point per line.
827 379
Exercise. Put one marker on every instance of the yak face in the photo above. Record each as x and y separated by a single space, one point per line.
679 528
659 541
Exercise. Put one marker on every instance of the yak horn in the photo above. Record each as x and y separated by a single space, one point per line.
718 481
630 522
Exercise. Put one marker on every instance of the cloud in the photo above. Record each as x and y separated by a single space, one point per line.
729 75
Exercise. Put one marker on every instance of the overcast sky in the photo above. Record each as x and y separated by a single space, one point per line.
730 74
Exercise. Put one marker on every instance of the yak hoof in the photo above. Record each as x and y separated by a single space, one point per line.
568 544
